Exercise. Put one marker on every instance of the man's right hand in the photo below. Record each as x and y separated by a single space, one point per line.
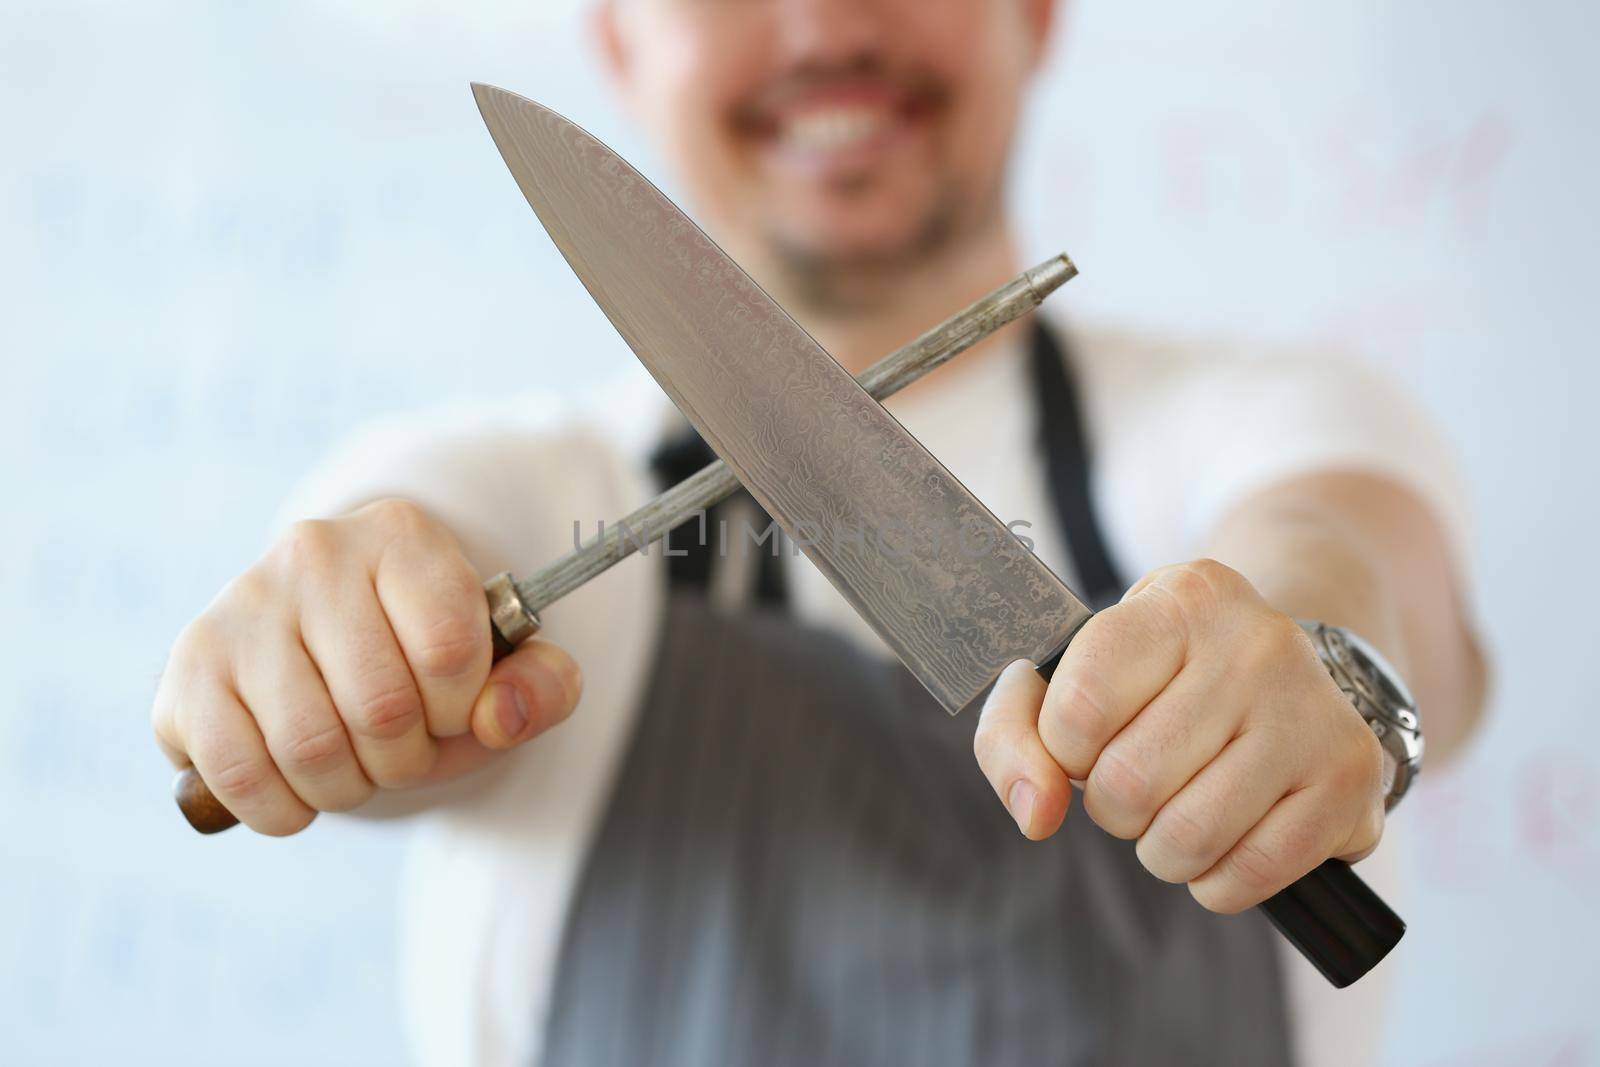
355 656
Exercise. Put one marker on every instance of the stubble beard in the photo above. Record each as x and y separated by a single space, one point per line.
852 285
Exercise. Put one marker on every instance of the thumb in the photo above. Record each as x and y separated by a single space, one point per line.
529 691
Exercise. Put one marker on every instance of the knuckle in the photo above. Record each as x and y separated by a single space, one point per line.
990 744
1286 633
1161 861
1303 842
1182 601
1282 636
387 712
1368 829
310 544
1252 868
398 517
252 592
1194 584
1270 644
200 648
163 720
1249 875
1358 773
1195 590
317 751
1075 722
1181 842
241 779
1117 795
984 743
1216 577
1251 872
199 639
1215 894
453 647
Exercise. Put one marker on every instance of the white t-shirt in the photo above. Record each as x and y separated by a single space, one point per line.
1179 435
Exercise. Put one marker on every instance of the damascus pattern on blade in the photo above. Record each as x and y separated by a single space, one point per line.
949 588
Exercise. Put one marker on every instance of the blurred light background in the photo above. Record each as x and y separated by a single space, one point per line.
230 232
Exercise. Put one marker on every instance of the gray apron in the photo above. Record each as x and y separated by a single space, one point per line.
802 864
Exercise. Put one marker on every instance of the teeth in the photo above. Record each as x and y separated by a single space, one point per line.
832 129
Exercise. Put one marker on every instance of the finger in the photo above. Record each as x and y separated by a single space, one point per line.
352 646
194 647
1121 659
1139 586
529 691
280 686
458 756
1215 810
1176 735
1291 839
227 749
163 721
1028 782
169 749
436 607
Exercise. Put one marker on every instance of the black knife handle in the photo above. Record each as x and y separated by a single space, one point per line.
1336 921
1332 916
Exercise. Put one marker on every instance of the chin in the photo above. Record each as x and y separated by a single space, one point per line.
885 235
852 246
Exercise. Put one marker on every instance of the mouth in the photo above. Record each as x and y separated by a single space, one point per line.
839 127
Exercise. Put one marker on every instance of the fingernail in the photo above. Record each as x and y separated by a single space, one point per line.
1020 802
550 691
510 710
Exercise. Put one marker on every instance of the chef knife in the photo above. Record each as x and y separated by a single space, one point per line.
937 576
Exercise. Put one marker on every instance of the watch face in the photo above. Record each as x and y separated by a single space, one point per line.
1372 670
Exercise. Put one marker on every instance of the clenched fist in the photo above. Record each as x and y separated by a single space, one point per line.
1200 722
355 656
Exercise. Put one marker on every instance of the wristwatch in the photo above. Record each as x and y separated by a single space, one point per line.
1376 690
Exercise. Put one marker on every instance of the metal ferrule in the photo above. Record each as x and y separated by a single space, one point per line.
513 622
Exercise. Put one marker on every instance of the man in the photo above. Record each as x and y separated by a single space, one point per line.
616 891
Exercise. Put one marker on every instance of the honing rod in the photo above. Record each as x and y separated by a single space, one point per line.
514 604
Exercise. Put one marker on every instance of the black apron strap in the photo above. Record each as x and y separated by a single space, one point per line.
691 548
1067 466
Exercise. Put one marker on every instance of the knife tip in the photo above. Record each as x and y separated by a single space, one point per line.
483 93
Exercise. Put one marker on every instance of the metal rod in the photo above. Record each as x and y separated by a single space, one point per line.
716 482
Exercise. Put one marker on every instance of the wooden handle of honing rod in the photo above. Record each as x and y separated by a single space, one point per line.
209 815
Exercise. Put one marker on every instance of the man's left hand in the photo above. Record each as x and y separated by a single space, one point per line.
1200 722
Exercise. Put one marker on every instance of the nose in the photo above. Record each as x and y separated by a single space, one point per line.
829 31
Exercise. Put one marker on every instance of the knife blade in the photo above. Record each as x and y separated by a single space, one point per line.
834 469
947 586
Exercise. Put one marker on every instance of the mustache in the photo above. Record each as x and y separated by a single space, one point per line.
918 88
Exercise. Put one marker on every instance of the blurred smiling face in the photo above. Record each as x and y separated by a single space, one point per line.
831 135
